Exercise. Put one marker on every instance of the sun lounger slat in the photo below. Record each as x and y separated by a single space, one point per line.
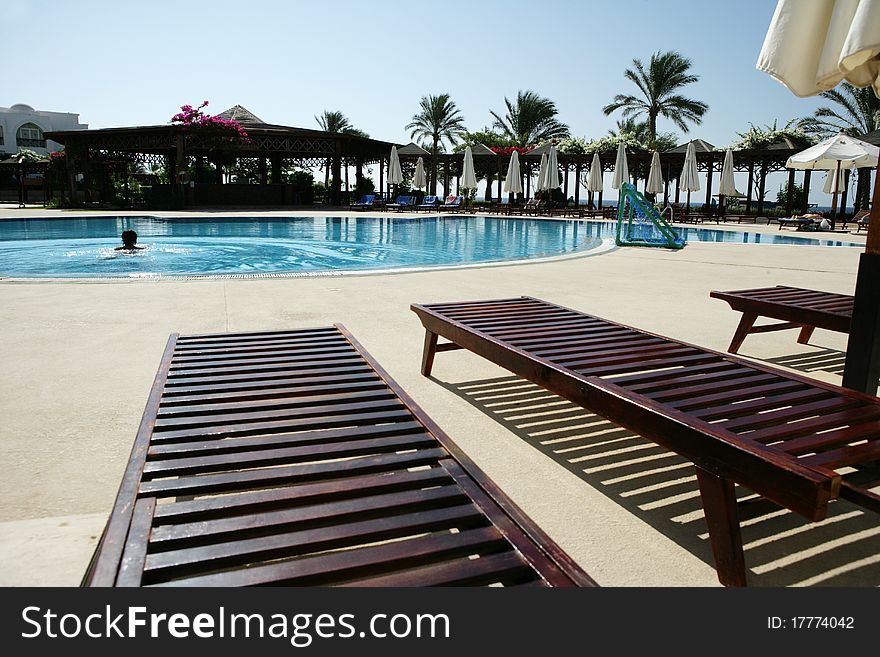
732 397
265 522
287 368
779 434
597 345
845 456
185 341
490 569
655 381
258 381
183 368
219 431
827 404
269 457
754 408
258 345
693 388
292 458
829 439
337 567
598 335
282 440
329 397
212 360
815 424
339 536
287 475
353 382
220 506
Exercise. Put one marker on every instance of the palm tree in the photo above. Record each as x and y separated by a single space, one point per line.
333 121
667 72
336 122
438 119
530 120
857 112
638 131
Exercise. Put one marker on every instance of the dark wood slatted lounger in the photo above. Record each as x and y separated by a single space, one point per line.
796 307
798 442
291 457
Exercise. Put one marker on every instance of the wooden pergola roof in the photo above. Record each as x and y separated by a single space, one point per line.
772 158
305 146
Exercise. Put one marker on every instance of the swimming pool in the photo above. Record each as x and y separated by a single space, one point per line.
83 247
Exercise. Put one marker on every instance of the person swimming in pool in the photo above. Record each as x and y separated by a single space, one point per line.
129 242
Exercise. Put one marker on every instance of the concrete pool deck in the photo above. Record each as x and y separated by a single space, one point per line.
79 359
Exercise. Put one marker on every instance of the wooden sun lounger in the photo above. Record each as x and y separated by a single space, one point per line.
798 308
291 457
801 223
798 442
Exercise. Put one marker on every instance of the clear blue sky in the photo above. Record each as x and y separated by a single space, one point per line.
134 63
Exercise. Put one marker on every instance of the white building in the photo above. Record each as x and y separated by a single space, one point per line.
21 126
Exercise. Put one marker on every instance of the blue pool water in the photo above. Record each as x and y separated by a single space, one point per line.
84 247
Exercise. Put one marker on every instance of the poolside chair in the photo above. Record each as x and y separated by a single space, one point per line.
428 203
367 201
452 203
402 203
532 207
796 441
799 222
861 219
290 457
795 308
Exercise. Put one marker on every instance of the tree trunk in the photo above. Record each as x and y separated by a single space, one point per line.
863 188
434 166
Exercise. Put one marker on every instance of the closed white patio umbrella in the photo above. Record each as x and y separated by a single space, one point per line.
812 45
468 174
419 179
727 187
690 180
551 175
513 182
395 175
655 176
542 172
595 181
621 168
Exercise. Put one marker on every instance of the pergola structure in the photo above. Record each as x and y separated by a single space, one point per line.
175 146
758 163
275 147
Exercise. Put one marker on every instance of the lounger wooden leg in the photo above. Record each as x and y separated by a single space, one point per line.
719 507
805 334
746 322
428 353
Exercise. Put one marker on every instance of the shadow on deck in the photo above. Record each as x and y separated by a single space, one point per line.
781 548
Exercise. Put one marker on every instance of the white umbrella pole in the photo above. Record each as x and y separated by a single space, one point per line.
834 194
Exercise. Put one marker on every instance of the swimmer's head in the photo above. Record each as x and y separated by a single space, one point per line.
129 238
